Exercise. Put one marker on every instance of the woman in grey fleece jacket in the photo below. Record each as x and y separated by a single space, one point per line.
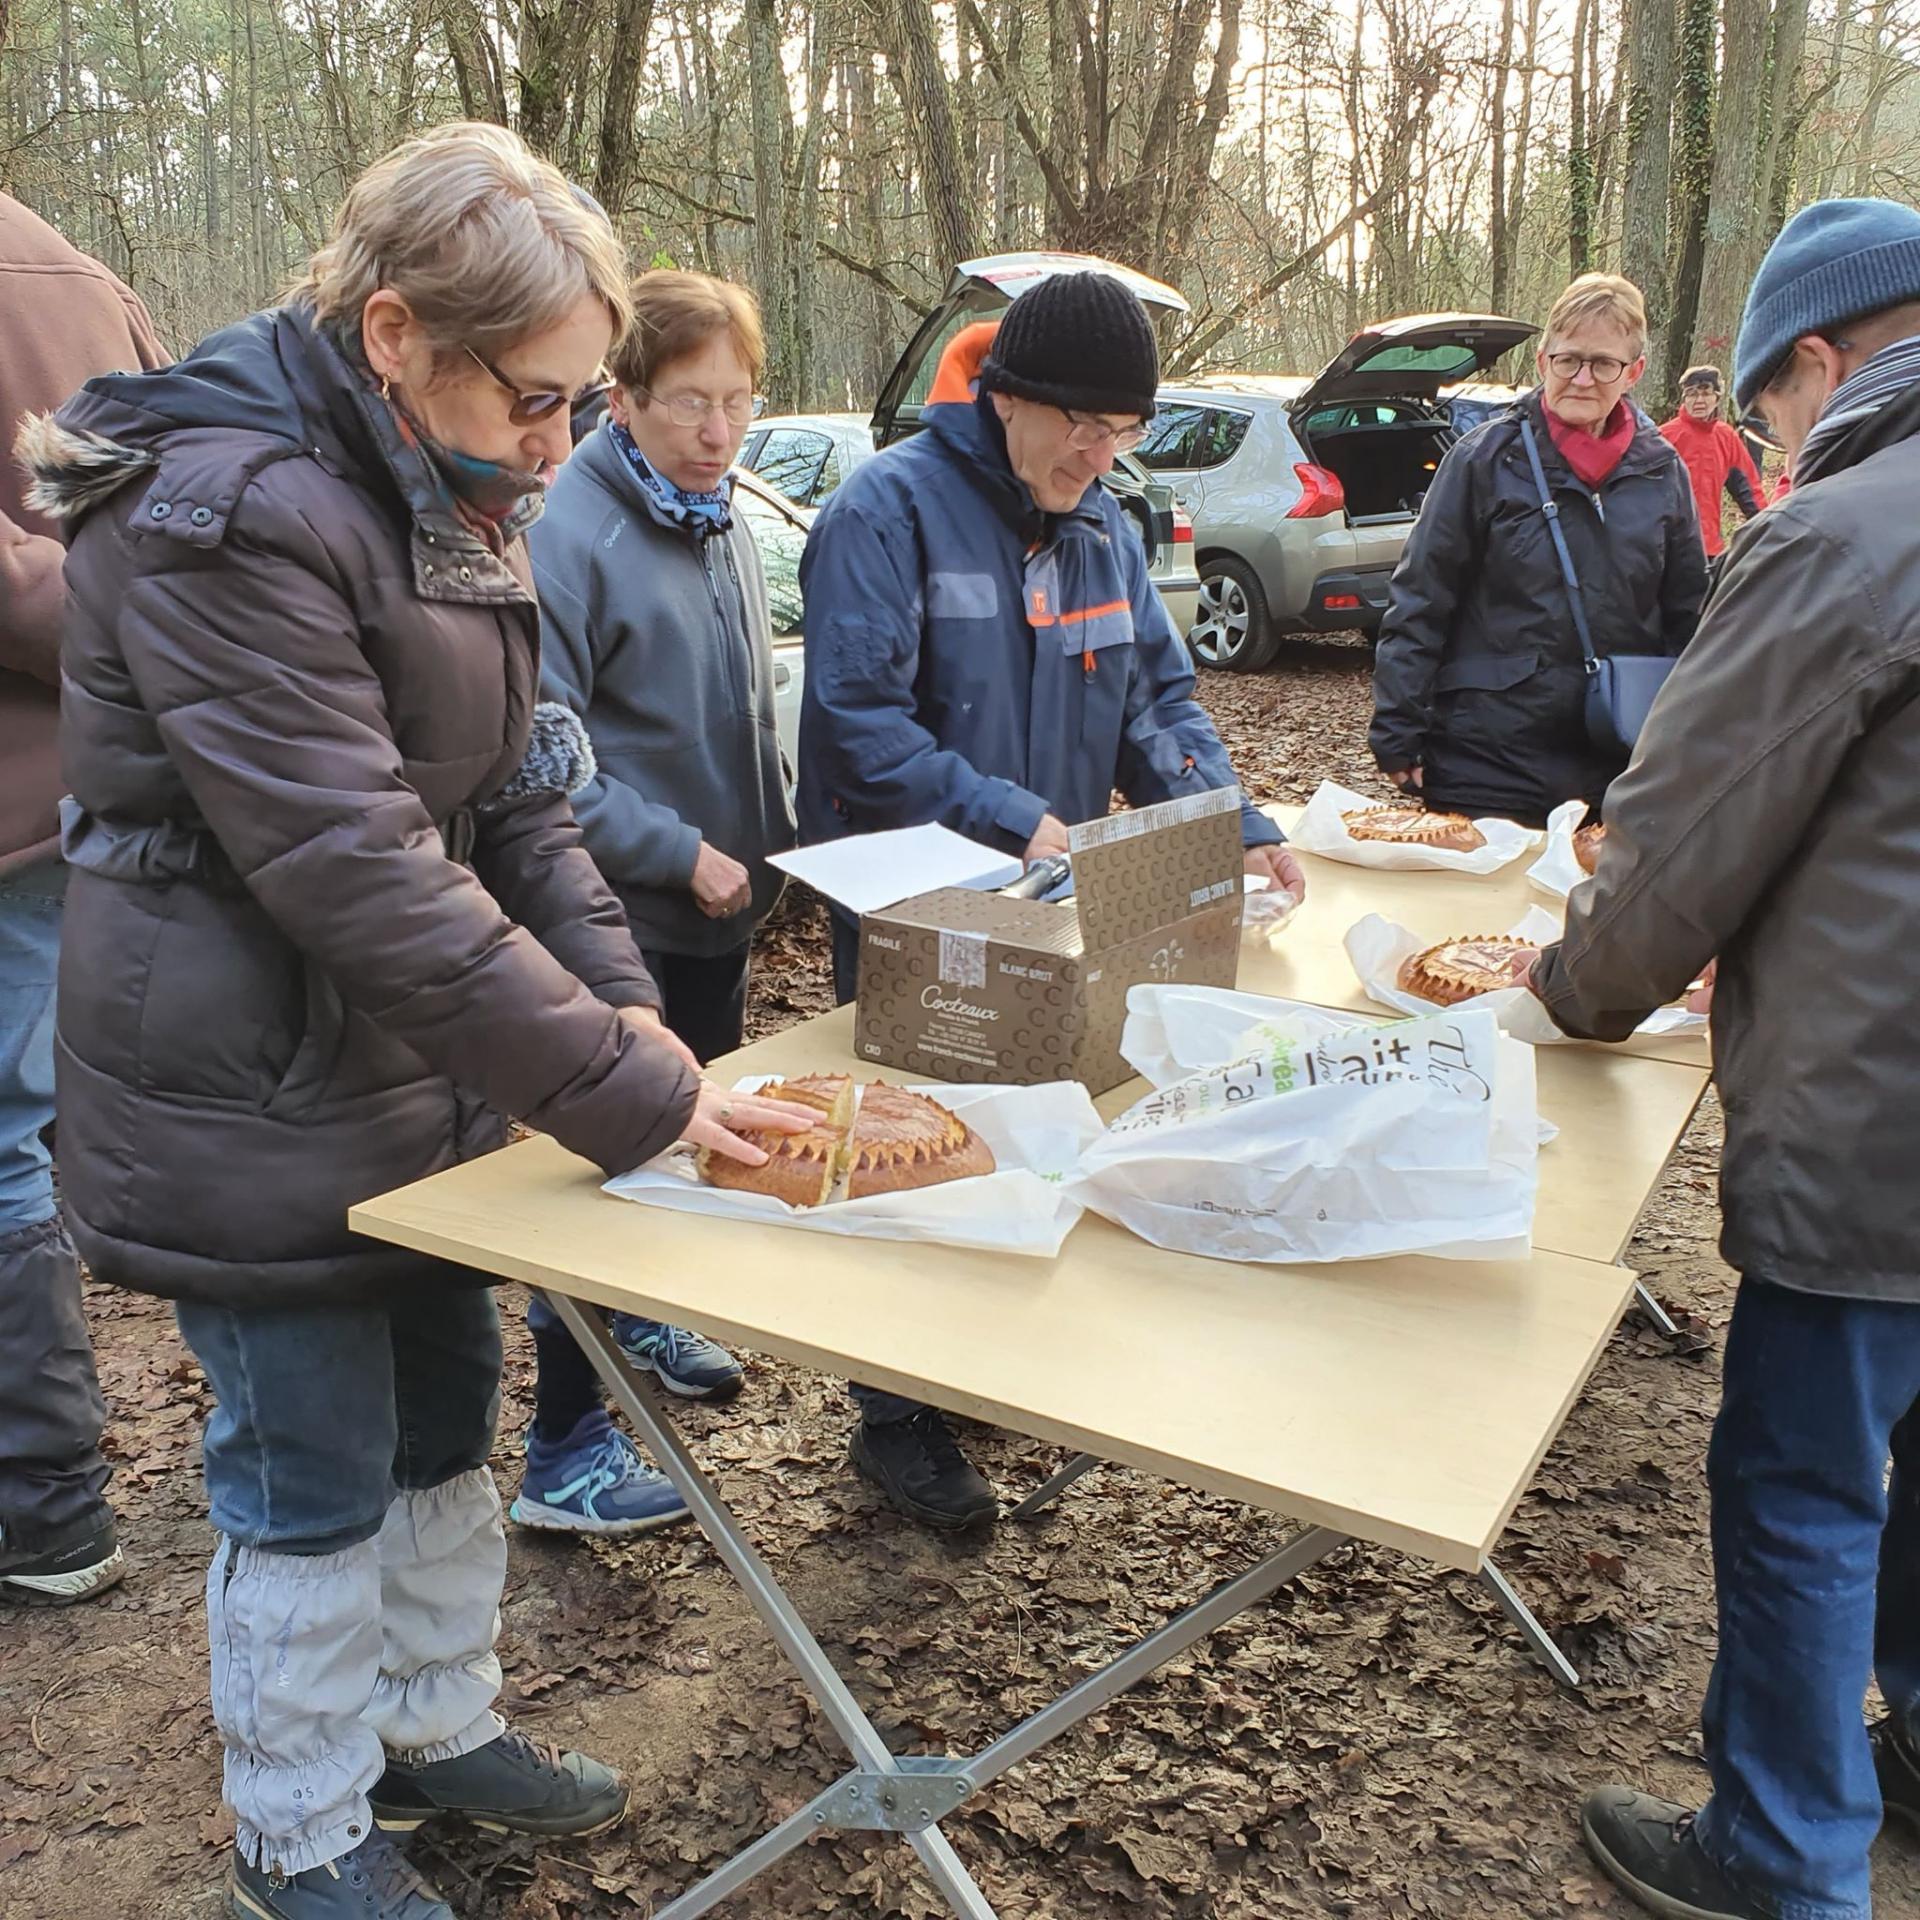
655 631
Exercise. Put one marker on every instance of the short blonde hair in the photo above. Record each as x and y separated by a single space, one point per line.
676 313
486 242
1599 296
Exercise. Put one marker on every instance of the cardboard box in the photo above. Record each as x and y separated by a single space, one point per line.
964 985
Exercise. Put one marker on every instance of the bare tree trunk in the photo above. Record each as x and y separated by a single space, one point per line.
1649 123
1881 59
921 81
1733 204
1692 171
613 170
1500 262
1523 136
1580 149
766 88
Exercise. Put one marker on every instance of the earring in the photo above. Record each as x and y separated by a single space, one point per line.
386 388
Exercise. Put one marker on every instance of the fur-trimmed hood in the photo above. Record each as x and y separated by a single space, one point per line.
251 378
70 471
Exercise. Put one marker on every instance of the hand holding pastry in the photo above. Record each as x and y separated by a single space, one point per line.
717 1111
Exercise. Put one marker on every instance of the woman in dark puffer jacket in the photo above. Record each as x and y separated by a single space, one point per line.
1479 683
324 928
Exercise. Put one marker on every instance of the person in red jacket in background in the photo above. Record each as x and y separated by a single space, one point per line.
1716 460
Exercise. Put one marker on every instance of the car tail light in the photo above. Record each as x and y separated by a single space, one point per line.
1320 492
1341 602
1182 526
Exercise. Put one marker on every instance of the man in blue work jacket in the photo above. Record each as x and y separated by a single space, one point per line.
985 649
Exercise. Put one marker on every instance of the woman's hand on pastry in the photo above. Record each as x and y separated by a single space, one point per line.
718 1110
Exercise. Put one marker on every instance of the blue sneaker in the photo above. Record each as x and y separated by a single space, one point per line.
594 1481
688 1364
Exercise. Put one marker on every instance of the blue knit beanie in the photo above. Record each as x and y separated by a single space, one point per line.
1832 262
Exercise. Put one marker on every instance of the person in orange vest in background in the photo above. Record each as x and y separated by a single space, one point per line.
960 362
1716 459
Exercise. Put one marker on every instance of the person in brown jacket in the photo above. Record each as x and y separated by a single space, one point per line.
329 918
63 318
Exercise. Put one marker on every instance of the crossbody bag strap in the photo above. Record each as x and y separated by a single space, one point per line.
1551 508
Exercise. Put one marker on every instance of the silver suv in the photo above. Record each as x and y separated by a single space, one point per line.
1302 491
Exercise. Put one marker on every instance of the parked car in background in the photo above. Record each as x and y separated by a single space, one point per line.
806 455
779 530
1302 491
1474 402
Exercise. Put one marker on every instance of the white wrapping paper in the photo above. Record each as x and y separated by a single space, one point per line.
1303 1136
1037 1135
1557 871
1320 829
1377 946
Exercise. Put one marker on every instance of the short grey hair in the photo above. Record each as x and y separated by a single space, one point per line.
486 242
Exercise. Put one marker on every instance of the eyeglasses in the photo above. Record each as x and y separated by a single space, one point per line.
1603 366
1086 435
527 407
692 409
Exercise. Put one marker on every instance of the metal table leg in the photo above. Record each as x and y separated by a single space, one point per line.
1535 1635
1661 1318
907 1794
1049 1491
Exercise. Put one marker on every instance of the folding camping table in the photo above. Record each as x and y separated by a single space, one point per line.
1405 1402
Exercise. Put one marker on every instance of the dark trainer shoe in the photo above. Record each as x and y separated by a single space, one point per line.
918 1465
75 1565
511 1785
373 1882
1898 1766
1647 1848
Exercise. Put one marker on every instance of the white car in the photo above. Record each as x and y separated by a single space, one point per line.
779 529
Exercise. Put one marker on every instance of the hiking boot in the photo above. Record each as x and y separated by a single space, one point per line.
511 1785
76 1564
918 1465
1897 1763
688 1364
1648 1848
373 1882
594 1481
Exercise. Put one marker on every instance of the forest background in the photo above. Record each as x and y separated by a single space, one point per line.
1295 169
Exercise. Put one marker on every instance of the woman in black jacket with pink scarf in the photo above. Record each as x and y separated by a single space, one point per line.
1480 677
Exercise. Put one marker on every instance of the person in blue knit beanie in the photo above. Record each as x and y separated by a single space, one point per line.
1770 825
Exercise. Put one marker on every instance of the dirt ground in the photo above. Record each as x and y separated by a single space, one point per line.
1373 1742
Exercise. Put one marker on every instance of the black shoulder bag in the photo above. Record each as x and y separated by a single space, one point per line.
1621 687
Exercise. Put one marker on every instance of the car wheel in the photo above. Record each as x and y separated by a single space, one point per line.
1230 626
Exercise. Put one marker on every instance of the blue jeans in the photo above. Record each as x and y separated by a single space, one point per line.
325 1414
1817 1566
30 903
52 1478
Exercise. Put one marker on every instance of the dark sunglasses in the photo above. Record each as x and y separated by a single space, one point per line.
527 407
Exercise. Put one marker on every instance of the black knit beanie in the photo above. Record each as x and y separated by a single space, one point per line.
1080 341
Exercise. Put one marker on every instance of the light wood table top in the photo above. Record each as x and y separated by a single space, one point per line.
1406 1401
1308 960
1620 1118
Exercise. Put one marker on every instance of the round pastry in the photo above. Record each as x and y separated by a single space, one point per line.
1415 827
1456 970
902 1139
1586 845
800 1168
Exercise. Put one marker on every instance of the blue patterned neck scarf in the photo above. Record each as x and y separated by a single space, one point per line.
701 514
